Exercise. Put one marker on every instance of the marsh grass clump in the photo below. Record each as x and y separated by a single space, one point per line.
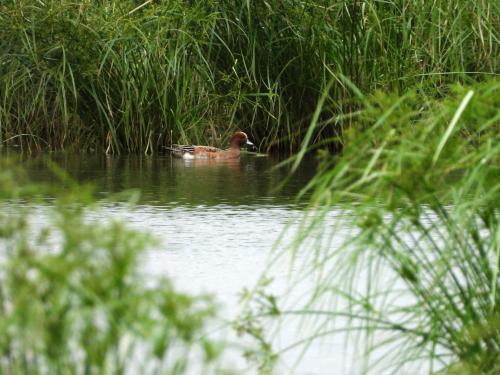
73 301
128 77
414 283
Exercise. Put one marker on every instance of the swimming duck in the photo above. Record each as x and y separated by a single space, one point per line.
237 141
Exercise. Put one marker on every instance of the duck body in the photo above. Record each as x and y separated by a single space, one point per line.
189 152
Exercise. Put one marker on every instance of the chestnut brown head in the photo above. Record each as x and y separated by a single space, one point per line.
239 140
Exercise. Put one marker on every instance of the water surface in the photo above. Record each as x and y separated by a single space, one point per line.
218 223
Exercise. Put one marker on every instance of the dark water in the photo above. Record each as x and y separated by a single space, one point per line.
166 181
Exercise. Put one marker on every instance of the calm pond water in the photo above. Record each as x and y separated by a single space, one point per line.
218 223
217 220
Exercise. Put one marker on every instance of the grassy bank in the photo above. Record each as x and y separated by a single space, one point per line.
413 286
126 76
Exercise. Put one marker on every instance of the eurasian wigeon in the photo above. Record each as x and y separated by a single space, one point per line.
237 141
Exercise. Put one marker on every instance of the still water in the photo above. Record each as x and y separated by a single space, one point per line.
218 225
217 222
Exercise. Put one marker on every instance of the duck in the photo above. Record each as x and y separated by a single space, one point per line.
236 142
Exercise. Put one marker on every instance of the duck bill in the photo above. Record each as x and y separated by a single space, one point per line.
250 144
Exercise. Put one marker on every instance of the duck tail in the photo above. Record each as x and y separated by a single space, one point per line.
180 150
171 149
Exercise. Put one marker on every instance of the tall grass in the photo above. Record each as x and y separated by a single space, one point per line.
414 282
129 76
73 299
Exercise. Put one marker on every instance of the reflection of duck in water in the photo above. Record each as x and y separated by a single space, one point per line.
202 165
237 141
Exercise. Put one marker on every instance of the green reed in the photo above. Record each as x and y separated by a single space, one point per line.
126 76
413 285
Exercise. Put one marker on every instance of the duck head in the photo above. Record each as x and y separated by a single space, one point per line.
239 140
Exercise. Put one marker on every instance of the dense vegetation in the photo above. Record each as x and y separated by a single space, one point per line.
415 282
131 76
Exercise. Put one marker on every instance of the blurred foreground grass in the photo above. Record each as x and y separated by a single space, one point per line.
73 300
413 285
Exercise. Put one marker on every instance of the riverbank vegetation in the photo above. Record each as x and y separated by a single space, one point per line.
415 283
129 76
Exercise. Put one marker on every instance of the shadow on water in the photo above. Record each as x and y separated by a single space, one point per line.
167 181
